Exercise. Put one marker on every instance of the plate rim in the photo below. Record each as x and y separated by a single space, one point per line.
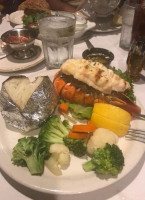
117 28
56 190
33 63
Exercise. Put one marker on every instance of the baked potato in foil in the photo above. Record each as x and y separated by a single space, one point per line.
26 105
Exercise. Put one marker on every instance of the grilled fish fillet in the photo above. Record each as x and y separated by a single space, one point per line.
95 75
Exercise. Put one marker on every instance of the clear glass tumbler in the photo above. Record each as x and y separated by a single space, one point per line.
127 24
57 35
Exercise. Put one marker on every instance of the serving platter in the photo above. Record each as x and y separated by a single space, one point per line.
9 64
74 180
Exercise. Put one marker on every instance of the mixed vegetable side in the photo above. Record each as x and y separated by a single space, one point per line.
59 139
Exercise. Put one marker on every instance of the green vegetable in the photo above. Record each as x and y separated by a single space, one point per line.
28 20
77 146
67 125
54 130
130 92
33 18
30 152
108 160
79 111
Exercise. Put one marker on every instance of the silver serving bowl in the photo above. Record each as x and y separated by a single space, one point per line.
21 40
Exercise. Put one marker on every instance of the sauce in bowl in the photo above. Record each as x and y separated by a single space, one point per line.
98 58
18 39
101 55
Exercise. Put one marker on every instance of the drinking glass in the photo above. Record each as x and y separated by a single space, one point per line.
127 24
57 35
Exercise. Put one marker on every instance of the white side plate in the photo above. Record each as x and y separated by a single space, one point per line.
8 65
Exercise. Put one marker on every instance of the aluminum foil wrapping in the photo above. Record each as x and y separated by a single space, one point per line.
39 107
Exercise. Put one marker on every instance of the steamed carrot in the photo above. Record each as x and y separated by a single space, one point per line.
75 135
91 123
86 128
63 108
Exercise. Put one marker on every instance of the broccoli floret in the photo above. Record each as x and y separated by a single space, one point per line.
108 160
77 146
31 152
66 124
54 130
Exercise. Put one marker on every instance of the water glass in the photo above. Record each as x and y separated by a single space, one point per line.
136 58
127 24
57 35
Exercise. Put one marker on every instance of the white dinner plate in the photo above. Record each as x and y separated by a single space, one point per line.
4 51
74 180
12 65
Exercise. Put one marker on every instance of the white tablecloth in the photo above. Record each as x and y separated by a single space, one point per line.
129 188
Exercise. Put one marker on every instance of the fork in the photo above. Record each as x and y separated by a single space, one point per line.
140 116
136 134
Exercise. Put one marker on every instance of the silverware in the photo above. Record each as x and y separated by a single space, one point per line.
140 116
136 134
89 44
6 55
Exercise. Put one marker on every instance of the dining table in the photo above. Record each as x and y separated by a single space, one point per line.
129 187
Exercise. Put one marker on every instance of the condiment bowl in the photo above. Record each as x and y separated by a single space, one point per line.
19 38
101 55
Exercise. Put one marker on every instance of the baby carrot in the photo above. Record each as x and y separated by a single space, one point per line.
86 128
75 135
63 108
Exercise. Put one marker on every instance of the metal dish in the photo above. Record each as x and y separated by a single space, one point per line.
101 55
21 40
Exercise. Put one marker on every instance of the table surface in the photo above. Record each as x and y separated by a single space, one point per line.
130 187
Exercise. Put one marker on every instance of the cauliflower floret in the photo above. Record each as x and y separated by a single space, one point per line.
99 138
59 159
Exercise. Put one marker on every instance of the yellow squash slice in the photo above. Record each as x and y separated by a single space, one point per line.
112 113
118 128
